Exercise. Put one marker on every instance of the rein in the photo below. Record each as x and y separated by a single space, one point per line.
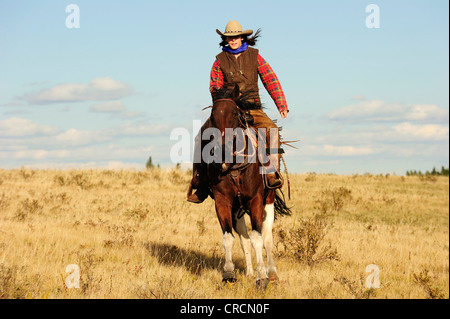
235 170
242 166
244 124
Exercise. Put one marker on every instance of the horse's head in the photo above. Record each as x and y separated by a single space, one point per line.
226 118
225 112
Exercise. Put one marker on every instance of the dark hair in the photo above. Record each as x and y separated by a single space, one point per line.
250 41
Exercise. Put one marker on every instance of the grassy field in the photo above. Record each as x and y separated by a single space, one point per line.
133 235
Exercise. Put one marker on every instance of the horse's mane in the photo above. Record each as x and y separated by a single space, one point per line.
243 101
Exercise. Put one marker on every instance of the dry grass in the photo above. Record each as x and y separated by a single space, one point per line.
133 235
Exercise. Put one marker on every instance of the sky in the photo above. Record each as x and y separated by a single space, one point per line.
115 89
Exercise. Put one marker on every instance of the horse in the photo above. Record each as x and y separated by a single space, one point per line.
238 188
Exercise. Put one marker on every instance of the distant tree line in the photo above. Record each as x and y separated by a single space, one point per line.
149 164
443 172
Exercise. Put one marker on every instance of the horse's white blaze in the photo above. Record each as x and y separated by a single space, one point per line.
228 241
257 243
245 244
267 236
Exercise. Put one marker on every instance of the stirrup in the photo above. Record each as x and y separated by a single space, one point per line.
194 198
199 196
278 177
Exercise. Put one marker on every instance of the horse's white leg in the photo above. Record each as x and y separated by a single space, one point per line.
267 237
257 243
246 244
228 240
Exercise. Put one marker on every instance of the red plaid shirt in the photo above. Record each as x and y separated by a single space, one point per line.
268 78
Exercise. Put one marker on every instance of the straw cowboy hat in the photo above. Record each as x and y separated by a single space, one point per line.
234 28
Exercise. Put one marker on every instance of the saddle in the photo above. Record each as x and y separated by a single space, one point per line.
247 120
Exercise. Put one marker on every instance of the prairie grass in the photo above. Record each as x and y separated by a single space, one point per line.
133 235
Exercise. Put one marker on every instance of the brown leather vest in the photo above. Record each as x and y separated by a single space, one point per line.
242 71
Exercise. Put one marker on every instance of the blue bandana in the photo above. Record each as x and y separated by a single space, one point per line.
241 49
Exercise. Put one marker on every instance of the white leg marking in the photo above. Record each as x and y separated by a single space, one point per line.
257 243
268 236
228 241
246 244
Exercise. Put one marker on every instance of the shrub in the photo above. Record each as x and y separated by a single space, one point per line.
425 280
10 287
28 207
306 242
334 200
355 288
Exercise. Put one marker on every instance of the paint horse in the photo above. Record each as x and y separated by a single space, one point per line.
238 188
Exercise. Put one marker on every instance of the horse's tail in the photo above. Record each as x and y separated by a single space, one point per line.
280 206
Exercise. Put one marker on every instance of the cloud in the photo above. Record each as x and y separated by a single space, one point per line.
339 151
405 132
358 97
428 113
140 129
358 147
108 107
429 132
19 134
13 104
20 127
129 115
24 142
380 111
105 88
73 137
107 165
117 109
80 154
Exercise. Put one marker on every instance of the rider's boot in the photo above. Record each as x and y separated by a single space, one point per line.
199 196
199 183
273 176
274 180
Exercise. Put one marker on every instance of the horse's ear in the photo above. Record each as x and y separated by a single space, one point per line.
235 93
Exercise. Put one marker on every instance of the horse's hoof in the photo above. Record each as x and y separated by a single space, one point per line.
273 277
262 283
229 276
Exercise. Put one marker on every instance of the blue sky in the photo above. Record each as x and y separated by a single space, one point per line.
109 94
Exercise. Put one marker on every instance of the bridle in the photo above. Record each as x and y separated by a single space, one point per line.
238 167
234 170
